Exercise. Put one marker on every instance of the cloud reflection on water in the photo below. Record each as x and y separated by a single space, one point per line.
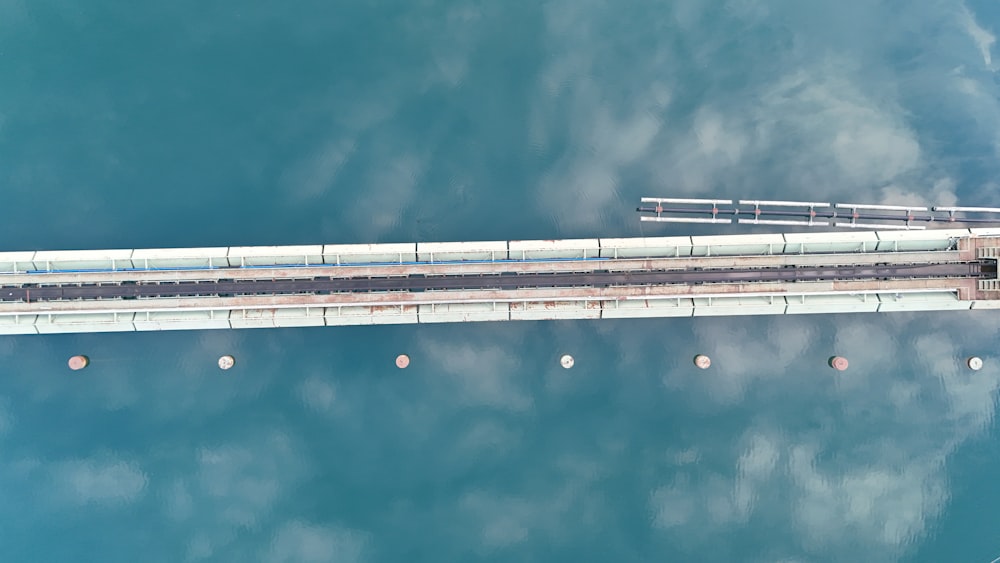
484 445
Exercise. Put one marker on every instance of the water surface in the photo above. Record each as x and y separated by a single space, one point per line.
237 123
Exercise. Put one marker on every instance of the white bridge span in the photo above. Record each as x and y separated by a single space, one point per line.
44 271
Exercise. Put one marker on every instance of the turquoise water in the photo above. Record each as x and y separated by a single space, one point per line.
235 123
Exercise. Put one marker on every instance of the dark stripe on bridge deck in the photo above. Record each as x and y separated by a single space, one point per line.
507 281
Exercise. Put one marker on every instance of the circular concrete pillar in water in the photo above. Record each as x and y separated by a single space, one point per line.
226 362
975 363
402 361
77 363
566 361
838 363
702 361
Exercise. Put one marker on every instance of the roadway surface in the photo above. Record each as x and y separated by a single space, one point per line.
505 281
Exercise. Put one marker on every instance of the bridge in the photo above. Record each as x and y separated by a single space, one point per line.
426 282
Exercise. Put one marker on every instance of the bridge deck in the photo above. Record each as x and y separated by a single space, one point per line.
953 275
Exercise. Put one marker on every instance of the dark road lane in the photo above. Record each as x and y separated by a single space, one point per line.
507 281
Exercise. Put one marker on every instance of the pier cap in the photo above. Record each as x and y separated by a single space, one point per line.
226 362
79 362
975 363
402 361
566 361
702 361
838 363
